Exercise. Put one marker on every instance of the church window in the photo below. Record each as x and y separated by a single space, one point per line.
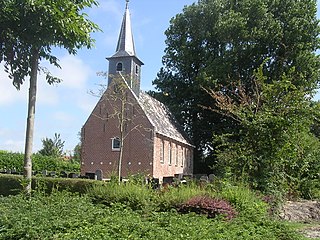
116 144
137 69
177 155
119 67
170 154
182 155
162 151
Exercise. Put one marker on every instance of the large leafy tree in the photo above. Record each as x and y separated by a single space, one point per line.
273 148
214 44
28 31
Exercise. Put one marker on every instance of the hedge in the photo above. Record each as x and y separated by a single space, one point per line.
14 161
12 184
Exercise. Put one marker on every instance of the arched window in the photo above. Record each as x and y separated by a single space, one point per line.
137 69
119 67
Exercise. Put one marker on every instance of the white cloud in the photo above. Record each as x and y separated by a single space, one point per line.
62 116
9 93
14 146
87 103
46 94
2 132
74 72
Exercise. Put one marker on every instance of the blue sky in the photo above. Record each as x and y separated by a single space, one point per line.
65 107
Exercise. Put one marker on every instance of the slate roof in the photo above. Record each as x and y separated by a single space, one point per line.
162 119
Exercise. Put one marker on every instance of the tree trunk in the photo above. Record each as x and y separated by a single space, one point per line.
30 120
120 161
122 122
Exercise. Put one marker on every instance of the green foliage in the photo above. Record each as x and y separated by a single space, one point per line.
10 184
134 196
32 27
29 29
52 147
77 153
67 216
174 197
249 205
9 160
273 148
214 44
13 184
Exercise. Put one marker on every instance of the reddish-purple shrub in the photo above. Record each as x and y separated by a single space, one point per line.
211 207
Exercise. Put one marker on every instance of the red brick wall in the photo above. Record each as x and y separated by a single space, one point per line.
184 163
103 125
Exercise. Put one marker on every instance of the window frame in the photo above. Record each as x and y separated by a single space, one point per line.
113 146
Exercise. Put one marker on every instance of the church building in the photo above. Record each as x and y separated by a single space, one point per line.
128 131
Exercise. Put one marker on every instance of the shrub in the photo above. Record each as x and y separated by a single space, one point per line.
173 197
12 184
212 207
10 160
245 201
69 216
134 196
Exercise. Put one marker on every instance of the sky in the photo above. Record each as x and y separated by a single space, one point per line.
64 108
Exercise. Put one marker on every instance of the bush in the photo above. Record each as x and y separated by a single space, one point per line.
134 196
172 197
9 160
208 206
246 202
12 184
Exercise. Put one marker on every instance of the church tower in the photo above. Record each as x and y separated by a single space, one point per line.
125 60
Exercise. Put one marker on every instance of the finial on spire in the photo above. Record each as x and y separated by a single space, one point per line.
127 3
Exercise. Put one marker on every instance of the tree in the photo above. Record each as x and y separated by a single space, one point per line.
214 44
273 148
76 156
119 103
52 147
28 31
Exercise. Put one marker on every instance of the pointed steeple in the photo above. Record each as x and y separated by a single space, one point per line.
125 60
125 44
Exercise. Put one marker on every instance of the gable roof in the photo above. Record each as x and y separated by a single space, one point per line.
162 119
